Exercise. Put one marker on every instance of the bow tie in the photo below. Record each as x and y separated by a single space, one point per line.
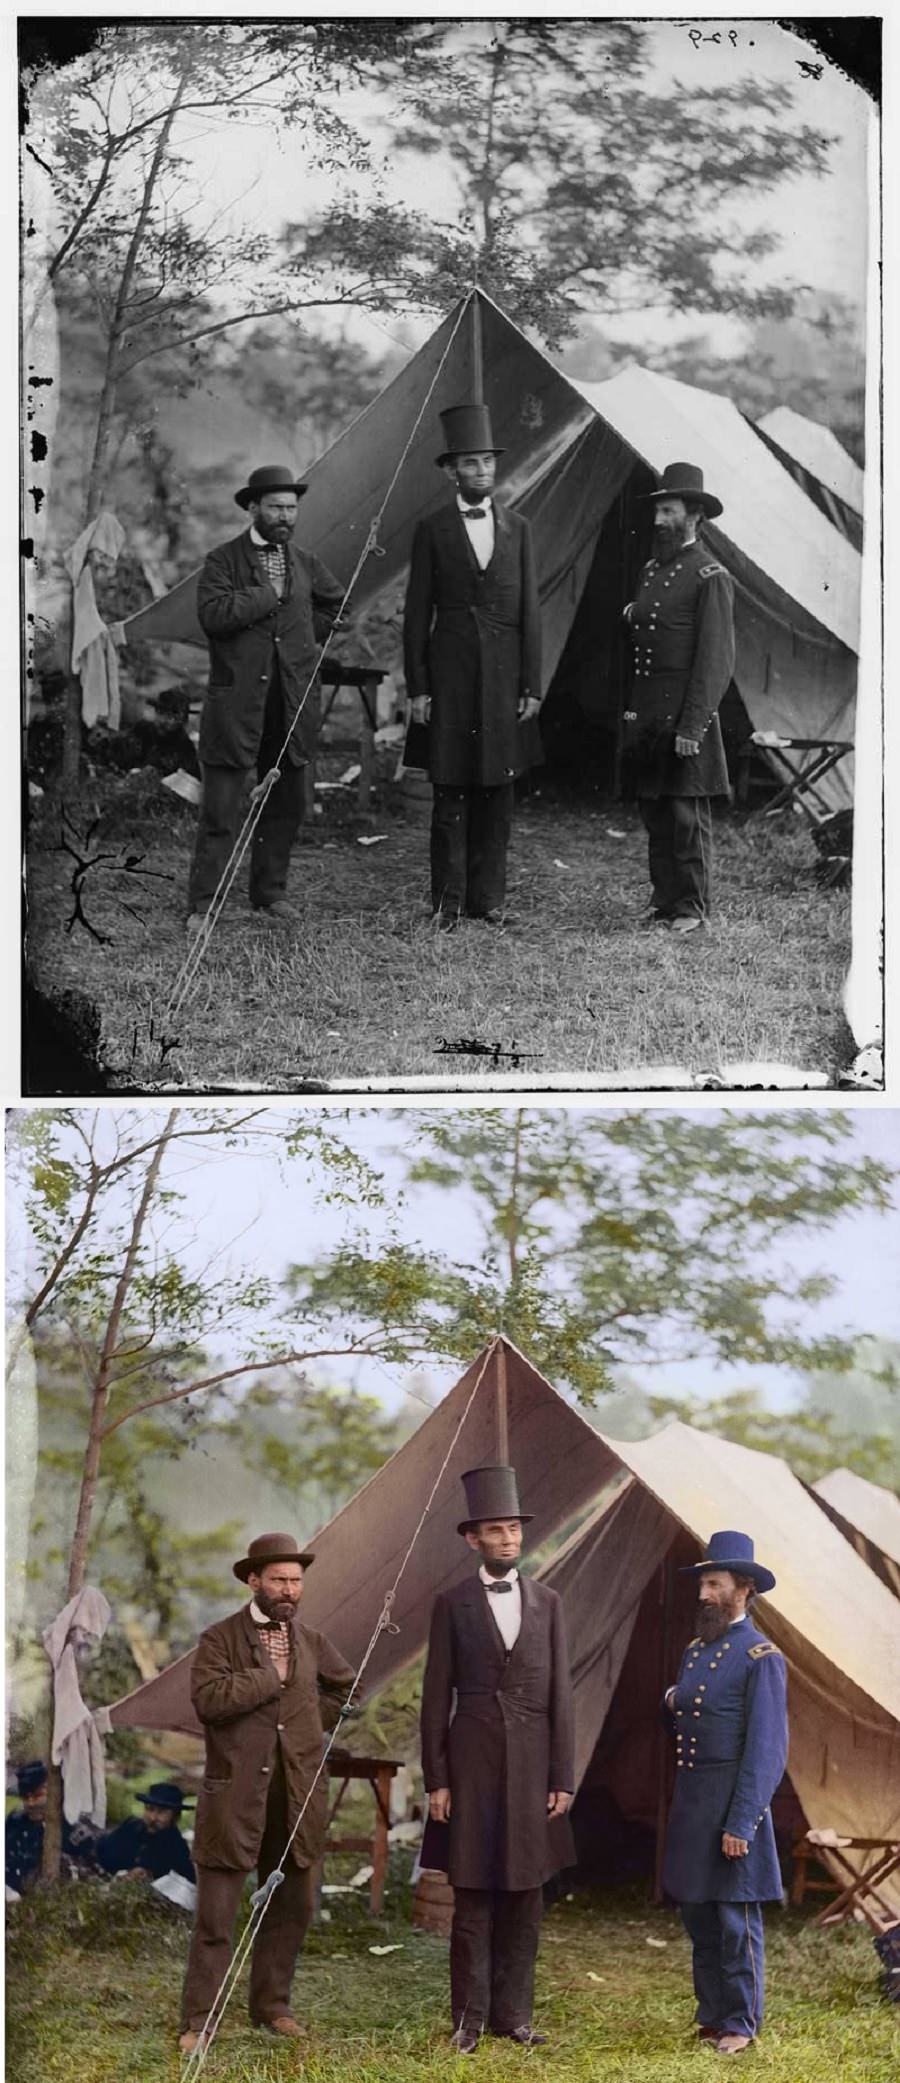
500 1585
475 513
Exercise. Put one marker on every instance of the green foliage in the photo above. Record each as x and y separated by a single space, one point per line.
810 1440
611 1238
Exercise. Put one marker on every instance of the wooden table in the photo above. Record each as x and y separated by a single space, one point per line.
863 1889
377 1773
366 679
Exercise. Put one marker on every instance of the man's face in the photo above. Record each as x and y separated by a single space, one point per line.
474 474
274 515
35 1803
719 1601
673 527
158 1818
498 1541
278 1589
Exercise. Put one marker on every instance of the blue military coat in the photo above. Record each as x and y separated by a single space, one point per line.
25 1848
730 1718
682 630
156 1851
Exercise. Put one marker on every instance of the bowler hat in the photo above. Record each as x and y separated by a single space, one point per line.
467 431
685 481
165 1794
32 1776
734 1552
270 1547
270 477
491 1493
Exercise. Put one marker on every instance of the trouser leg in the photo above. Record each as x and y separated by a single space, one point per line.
516 1930
449 837
219 1892
701 1922
490 827
218 824
286 1921
270 848
680 850
470 1957
743 1966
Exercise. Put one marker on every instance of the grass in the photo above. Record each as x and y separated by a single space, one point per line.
361 988
94 1979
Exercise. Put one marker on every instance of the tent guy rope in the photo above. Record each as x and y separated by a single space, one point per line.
371 548
262 1896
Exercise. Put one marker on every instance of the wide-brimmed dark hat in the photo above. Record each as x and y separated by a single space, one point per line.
685 481
467 431
165 1794
734 1552
32 1776
491 1493
270 1547
270 477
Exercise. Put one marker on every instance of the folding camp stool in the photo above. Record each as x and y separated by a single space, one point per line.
863 1891
819 756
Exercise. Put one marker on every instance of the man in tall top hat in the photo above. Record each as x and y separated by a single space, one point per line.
264 1687
472 635
729 1710
262 603
682 627
497 1759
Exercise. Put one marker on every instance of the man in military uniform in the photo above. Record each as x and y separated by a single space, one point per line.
472 637
729 1711
149 1845
25 1830
682 627
498 1765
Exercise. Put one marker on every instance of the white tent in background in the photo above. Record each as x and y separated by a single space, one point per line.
818 451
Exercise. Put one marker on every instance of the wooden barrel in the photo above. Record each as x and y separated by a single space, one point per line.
433 1904
415 795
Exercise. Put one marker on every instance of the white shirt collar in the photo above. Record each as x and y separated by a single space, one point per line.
259 541
257 1614
510 1576
465 508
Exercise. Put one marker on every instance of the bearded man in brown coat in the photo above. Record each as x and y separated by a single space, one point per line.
263 1686
499 1770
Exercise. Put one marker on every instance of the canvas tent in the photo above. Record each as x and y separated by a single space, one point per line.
578 458
867 1515
627 1610
820 463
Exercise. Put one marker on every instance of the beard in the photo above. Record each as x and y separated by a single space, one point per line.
713 1621
669 537
275 531
275 1608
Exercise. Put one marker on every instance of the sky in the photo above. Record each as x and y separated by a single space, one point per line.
238 1207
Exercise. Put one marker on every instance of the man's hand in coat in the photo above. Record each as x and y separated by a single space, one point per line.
734 1847
528 708
439 1804
558 1803
420 708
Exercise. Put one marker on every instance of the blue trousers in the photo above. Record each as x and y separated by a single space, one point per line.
729 1963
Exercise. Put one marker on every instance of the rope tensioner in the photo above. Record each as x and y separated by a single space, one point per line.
259 1901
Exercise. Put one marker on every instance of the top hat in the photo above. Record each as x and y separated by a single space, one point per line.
270 1547
491 1493
29 1778
685 481
467 431
270 477
165 1794
732 1551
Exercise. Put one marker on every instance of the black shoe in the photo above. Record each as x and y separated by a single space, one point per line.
523 2036
497 917
465 2039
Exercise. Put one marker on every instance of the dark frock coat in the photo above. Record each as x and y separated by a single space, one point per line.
251 636
249 1717
730 1716
472 646
509 1743
682 627
155 1851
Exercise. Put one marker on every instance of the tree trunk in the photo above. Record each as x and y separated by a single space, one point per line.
52 1852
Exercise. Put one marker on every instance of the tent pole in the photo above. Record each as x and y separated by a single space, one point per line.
502 1408
477 354
665 1632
